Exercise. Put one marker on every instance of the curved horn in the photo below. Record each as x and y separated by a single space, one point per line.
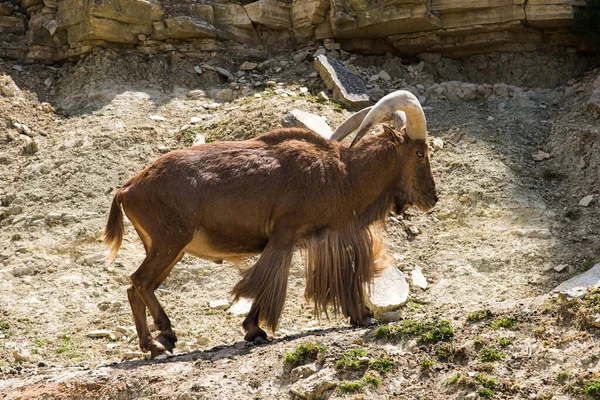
416 126
350 125
397 119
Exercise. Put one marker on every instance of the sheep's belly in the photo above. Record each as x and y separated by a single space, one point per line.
203 246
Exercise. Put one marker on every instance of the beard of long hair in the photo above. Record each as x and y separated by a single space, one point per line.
340 265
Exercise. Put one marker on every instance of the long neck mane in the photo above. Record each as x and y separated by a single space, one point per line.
372 171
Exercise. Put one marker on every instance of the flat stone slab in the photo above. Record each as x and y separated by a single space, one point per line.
347 88
302 119
389 291
577 285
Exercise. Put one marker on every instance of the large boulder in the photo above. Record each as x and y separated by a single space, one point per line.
232 23
270 13
183 27
302 119
347 88
389 292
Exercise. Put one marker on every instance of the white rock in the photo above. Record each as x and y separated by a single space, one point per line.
303 90
303 119
490 118
199 139
212 106
323 96
22 355
437 143
221 304
304 371
198 70
100 333
577 286
561 267
586 200
384 75
374 78
389 291
540 156
418 279
314 386
195 120
163 149
157 118
240 307
248 66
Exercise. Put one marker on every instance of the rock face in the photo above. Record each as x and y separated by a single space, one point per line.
347 88
48 31
577 285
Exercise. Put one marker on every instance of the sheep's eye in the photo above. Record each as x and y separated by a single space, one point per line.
420 154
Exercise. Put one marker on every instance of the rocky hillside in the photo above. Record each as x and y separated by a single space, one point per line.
46 31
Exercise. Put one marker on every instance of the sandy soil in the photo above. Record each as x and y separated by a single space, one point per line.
503 222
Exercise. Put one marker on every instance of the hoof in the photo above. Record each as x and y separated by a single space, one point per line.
156 349
256 335
366 321
167 340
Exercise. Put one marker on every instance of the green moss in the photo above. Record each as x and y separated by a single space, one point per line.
372 380
427 364
562 376
16 236
592 388
453 379
351 359
383 364
350 386
428 332
479 315
485 393
444 351
303 353
503 342
4 326
505 322
486 381
488 354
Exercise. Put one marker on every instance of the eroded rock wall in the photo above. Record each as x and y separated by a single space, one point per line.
49 31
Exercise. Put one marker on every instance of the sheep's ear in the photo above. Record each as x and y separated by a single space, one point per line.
393 135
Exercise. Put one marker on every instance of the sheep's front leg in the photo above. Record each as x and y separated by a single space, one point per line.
266 284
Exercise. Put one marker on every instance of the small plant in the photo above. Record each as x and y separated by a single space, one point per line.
485 381
350 386
444 351
372 380
383 364
503 342
428 332
479 341
488 354
539 331
479 315
302 353
453 379
592 388
4 326
427 364
16 236
351 359
486 393
505 322
562 376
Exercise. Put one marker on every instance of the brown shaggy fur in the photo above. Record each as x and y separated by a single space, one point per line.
267 195
339 267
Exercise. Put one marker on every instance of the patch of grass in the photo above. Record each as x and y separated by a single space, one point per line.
485 393
480 315
486 381
487 354
350 386
16 236
562 376
592 388
427 364
505 322
539 331
303 352
444 351
428 332
372 380
66 347
351 359
453 379
503 342
479 341
383 364
4 326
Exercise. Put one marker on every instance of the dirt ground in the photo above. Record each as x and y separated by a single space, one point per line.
503 222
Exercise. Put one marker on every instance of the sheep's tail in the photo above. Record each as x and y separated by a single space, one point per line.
113 233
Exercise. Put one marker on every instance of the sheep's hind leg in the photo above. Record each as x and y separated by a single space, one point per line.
145 280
